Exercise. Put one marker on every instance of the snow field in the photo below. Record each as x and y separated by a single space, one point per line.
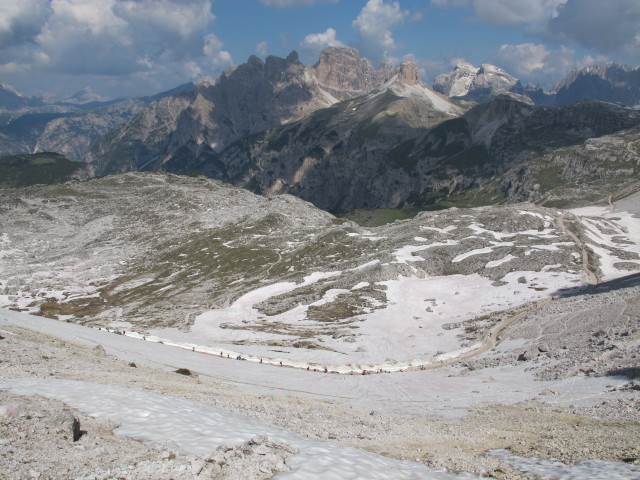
199 429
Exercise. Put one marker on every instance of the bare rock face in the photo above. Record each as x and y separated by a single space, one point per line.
342 68
479 84
249 98
457 82
408 73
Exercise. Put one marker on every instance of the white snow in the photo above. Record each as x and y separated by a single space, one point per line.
496 263
587 470
199 429
366 265
609 233
479 251
425 392
405 254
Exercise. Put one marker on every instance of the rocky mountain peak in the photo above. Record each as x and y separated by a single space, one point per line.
408 73
342 68
292 58
612 82
479 84
457 82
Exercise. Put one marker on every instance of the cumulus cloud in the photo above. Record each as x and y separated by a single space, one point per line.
536 63
316 42
262 49
115 37
215 55
605 27
20 22
110 37
293 3
450 3
511 13
374 25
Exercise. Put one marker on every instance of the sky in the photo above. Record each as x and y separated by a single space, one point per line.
140 47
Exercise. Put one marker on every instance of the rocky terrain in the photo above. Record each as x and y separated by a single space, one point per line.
388 344
32 126
283 279
245 100
608 83
397 148
37 432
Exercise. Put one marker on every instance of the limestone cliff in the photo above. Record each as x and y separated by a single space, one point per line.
247 99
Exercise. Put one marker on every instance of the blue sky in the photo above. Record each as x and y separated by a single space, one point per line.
137 47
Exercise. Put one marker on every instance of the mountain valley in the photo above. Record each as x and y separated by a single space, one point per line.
215 272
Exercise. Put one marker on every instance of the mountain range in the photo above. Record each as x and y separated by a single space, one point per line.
343 134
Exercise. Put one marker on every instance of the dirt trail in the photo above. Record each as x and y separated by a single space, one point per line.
592 279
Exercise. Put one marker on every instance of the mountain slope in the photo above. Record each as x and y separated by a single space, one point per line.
388 150
335 157
67 128
479 84
247 99
198 261
465 160
609 83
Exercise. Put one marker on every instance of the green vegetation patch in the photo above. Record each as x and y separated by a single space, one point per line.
550 178
379 216
40 168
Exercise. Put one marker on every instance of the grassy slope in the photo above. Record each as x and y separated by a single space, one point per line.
40 168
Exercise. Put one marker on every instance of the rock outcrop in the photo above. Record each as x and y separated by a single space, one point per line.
247 99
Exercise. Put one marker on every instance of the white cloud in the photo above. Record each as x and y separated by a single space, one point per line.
374 25
139 39
316 42
511 13
21 21
214 54
605 27
293 3
262 49
536 63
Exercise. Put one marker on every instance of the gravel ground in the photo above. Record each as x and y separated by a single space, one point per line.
34 445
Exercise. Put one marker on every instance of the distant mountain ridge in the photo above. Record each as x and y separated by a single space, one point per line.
612 82
343 134
479 84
